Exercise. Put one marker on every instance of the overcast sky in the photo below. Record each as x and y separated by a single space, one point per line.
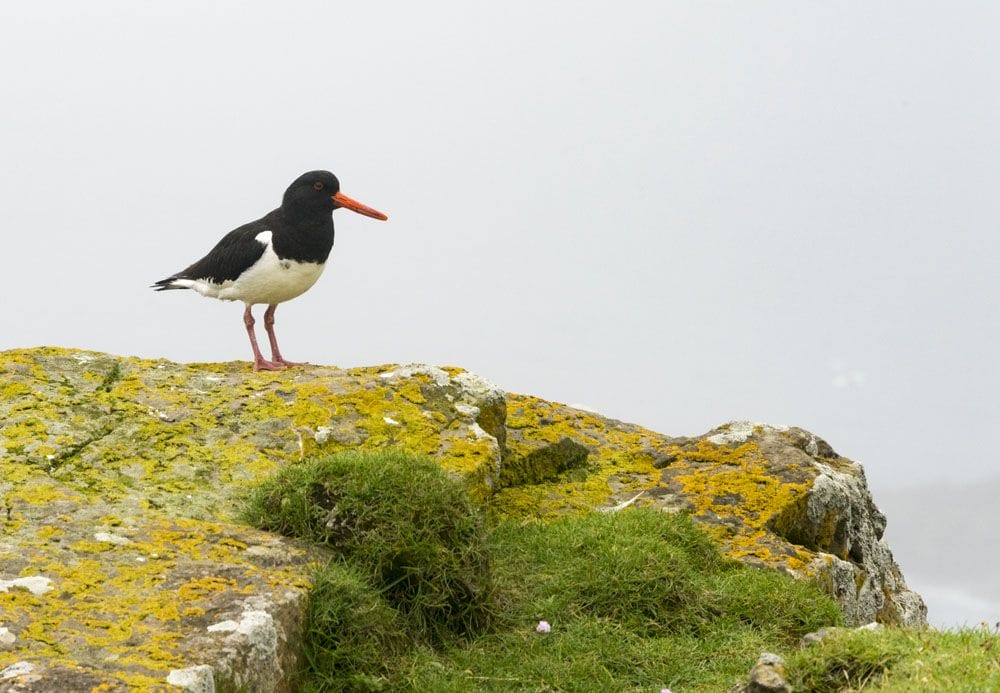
677 214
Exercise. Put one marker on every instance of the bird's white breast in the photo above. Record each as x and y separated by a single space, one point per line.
269 280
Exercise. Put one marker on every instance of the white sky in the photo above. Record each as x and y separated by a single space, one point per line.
674 213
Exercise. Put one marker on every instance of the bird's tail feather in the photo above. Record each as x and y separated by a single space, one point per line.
167 285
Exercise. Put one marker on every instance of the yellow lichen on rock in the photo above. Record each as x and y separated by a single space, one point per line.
733 480
197 436
618 465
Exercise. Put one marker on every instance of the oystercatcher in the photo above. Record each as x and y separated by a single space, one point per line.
273 259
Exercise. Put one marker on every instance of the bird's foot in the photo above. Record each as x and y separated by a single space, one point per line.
265 365
290 364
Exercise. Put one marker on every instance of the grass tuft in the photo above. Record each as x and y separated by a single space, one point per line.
640 569
899 659
771 602
402 521
353 634
849 660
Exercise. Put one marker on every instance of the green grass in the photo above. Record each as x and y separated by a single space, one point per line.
637 600
422 596
408 527
353 632
898 659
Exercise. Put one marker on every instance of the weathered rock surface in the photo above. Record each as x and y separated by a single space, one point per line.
767 676
119 480
120 564
772 496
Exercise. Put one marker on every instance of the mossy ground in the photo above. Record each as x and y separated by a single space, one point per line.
635 600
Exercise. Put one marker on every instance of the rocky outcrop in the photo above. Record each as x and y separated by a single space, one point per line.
767 676
121 564
813 515
772 496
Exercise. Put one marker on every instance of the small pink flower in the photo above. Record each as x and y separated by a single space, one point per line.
543 627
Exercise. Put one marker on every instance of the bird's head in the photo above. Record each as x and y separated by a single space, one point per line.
319 191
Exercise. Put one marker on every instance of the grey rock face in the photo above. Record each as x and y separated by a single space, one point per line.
839 520
782 497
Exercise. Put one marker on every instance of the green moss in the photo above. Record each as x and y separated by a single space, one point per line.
619 588
544 464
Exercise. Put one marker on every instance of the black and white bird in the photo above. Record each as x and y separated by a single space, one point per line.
273 259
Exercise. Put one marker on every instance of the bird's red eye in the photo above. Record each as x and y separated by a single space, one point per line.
318 185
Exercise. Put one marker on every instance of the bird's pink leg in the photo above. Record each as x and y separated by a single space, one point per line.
269 326
259 362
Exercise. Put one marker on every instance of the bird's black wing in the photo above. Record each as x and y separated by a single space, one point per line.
235 253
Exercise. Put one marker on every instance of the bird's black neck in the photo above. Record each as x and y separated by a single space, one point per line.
305 237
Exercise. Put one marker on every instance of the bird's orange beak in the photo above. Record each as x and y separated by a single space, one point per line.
355 206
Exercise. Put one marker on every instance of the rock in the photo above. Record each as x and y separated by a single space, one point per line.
544 463
772 496
188 439
818 636
121 565
124 612
766 676
120 478
823 633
